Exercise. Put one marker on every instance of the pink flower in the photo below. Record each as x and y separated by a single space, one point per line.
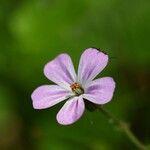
74 88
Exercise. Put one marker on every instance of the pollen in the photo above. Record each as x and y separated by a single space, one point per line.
77 88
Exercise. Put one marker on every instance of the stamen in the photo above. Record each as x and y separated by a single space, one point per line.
77 88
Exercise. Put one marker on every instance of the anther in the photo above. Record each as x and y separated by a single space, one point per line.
77 88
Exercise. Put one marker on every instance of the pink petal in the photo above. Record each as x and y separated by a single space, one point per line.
48 95
92 62
61 71
100 91
71 111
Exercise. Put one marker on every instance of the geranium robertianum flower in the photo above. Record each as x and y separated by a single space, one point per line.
74 88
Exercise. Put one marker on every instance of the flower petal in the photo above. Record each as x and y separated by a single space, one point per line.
92 62
48 95
100 91
71 111
61 71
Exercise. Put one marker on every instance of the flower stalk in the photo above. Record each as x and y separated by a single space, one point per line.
124 127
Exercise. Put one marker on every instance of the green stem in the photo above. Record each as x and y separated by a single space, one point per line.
124 127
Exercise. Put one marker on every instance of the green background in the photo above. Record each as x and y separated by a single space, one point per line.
32 32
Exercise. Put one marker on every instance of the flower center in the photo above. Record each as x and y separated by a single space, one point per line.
77 88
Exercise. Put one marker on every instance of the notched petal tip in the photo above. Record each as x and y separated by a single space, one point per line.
63 123
100 50
47 64
34 100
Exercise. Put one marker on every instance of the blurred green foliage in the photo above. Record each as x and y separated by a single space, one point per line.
34 32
